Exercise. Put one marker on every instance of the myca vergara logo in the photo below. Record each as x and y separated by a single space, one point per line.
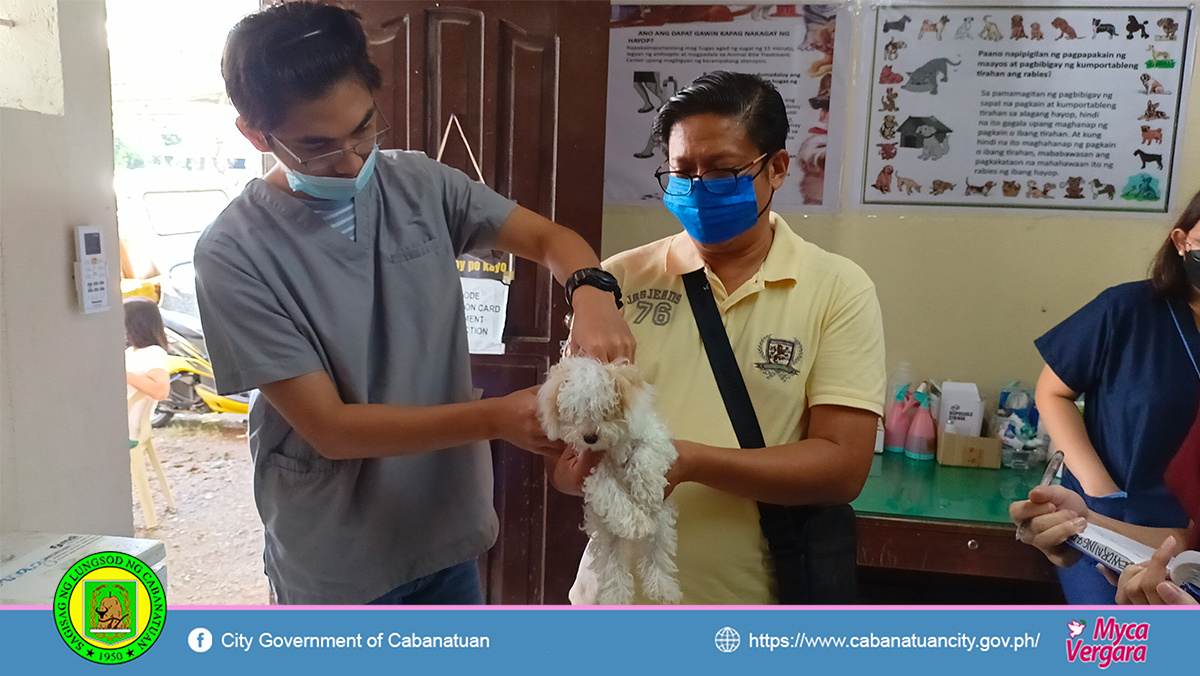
1112 642
110 608
779 356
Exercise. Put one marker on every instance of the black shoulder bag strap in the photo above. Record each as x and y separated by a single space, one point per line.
814 548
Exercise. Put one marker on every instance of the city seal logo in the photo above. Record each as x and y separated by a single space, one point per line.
779 356
110 608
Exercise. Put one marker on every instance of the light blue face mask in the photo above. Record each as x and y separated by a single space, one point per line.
710 218
333 187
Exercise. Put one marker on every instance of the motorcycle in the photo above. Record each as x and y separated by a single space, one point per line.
193 389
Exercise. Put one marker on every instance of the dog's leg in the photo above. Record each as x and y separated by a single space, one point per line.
603 563
605 491
657 567
616 579
646 470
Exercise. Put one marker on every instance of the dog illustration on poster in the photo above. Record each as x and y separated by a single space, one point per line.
1135 26
1018 27
1100 188
1152 86
964 31
883 182
1152 112
935 27
1169 27
979 189
888 129
1064 29
940 186
887 76
1148 158
908 185
889 101
897 25
1074 187
1098 27
991 31
925 78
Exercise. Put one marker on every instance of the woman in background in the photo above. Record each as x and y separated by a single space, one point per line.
1133 353
146 377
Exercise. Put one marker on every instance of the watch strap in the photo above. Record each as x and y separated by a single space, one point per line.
592 277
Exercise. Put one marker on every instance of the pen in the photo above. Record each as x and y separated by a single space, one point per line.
1056 461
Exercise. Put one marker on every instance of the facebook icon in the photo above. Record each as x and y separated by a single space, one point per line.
200 640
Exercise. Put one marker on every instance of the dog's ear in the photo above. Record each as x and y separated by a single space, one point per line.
628 383
548 403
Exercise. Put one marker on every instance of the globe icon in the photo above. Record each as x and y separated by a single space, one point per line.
728 640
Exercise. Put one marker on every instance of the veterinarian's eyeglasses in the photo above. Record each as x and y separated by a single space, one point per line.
368 136
715 181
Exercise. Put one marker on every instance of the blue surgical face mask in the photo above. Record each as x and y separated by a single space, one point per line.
710 218
333 187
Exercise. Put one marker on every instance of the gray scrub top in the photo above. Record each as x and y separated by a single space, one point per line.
282 294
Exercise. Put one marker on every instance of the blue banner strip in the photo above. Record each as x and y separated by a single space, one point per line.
974 642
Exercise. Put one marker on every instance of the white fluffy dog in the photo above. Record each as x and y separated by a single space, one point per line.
610 408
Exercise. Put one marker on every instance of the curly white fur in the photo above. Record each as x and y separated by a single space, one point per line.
609 408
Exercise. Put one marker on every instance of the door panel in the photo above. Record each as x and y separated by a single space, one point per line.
533 113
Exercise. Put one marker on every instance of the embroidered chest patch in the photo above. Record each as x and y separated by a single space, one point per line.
779 356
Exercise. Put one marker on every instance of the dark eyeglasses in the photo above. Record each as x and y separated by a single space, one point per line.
715 181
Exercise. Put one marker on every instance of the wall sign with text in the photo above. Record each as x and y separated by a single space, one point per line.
656 50
1049 107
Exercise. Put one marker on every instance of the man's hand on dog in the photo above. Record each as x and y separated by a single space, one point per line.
599 330
517 423
573 467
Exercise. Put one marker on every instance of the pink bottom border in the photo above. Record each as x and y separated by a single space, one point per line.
657 608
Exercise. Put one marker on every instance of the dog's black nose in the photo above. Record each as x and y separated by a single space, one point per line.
591 438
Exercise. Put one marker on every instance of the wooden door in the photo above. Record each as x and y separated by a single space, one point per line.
527 80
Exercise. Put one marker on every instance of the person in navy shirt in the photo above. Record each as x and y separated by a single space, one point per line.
1132 353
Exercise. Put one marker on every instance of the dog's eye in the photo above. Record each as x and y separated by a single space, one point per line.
591 438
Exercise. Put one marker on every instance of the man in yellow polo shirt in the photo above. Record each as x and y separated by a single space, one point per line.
804 325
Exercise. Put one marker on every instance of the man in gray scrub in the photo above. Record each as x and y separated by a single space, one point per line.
330 286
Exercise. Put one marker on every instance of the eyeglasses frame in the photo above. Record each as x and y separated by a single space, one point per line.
736 171
353 148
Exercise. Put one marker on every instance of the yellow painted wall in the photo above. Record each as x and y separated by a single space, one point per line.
964 294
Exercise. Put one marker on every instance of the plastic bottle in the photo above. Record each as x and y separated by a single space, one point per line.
901 376
921 443
898 420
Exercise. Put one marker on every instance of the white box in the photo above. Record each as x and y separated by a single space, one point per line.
35 562
961 409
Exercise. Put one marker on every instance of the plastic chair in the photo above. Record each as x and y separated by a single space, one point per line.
137 464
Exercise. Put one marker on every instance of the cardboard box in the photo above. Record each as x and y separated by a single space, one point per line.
964 451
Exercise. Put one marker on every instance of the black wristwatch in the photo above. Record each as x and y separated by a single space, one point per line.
592 277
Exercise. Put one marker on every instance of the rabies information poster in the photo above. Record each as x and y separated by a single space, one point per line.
1052 107
656 50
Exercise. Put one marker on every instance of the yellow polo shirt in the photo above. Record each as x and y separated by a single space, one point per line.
806 330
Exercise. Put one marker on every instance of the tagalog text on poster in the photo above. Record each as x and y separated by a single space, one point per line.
1059 107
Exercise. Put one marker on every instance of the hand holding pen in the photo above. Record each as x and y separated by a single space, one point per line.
1052 468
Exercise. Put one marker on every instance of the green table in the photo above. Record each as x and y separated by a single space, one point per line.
922 516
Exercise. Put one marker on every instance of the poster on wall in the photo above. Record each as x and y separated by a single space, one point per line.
485 280
656 50
1048 107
